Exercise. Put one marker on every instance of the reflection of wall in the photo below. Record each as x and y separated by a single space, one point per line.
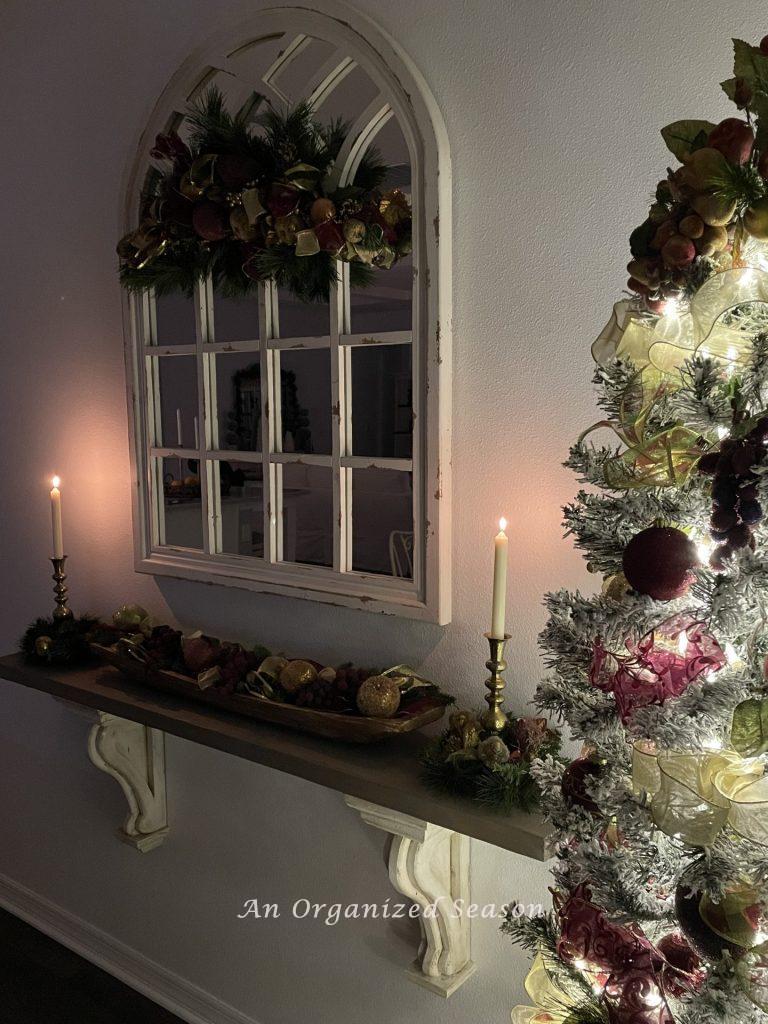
548 181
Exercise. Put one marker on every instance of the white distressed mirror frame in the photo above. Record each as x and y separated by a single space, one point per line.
428 595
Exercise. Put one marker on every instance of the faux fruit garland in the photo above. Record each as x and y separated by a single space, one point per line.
710 210
250 198
230 668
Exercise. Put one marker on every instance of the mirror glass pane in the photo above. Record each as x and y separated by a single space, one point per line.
382 522
175 319
236 319
181 506
306 401
307 502
382 401
241 490
238 401
178 401
386 305
302 319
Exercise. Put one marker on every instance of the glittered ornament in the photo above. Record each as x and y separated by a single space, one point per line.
493 752
658 562
616 587
42 646
378 697
297 674
574 783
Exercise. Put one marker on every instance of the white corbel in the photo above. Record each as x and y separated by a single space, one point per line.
134 755
430 866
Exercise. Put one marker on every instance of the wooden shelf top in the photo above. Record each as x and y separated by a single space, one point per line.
386 773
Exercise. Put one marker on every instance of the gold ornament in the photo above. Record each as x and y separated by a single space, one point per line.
616 587
297 674
307 243
328 675
493 752
322 209
464 728
43 645
378 697
394 207
354 231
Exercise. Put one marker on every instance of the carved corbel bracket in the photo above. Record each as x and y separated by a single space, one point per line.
429 865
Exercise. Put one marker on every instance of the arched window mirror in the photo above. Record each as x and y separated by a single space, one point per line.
292 448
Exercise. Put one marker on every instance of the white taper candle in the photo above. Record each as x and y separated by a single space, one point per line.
498 615
58 535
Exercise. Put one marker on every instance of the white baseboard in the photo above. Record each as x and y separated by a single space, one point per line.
169 990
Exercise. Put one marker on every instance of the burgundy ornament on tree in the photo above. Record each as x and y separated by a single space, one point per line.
658 562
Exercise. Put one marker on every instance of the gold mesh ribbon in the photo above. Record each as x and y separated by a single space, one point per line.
693 796
550 1004
663 458
664 344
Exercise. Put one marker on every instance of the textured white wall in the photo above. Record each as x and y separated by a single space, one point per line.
553 110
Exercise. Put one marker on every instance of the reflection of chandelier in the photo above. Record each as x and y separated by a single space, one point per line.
718 321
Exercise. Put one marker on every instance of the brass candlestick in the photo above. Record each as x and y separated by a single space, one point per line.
61 611
494 718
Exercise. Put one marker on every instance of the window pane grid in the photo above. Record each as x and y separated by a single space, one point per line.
210 454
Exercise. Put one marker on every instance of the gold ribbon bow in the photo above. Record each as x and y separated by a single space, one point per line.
551 1004
664 344
695 795
663 458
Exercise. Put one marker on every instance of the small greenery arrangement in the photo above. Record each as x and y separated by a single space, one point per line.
252 196
492 769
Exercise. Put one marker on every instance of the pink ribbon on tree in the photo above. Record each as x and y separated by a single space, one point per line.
662 664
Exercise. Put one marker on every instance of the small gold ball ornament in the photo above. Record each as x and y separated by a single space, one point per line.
43 645
616 587
378 697
297 674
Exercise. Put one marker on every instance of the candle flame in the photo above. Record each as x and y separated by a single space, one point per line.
502 524
56 482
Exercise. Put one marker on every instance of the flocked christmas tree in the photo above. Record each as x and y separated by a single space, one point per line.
661 825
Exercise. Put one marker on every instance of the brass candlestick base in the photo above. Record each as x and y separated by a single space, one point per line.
61 611
494 718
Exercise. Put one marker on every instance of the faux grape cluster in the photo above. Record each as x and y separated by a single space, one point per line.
736 511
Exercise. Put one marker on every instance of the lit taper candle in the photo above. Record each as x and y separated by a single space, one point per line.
58 536
498 615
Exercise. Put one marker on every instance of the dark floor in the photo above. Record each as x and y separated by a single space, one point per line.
41 982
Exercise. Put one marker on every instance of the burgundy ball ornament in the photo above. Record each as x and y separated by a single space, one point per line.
733 924
658 562
210 221
574 783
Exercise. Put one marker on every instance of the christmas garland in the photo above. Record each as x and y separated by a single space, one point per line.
707 213
251 198
492 769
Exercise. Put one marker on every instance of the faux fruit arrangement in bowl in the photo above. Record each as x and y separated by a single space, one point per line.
344 702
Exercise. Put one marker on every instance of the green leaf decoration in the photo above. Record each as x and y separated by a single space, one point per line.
685 137
749 730
750 64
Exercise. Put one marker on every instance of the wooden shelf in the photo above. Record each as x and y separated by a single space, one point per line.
384 774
